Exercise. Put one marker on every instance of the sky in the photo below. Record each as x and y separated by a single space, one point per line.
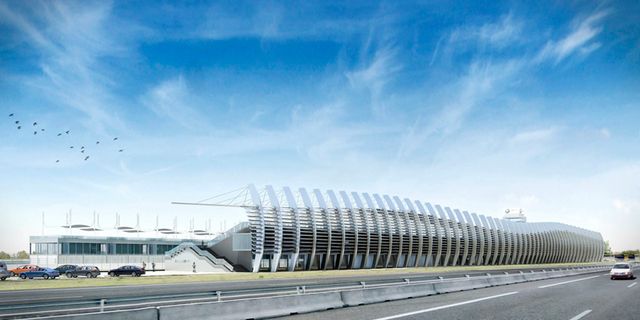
480 106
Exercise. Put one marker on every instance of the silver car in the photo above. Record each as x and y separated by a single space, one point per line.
4 274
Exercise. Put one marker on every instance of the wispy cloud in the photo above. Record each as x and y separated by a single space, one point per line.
580 39
482 81
534 136
69 42
172 99
375 74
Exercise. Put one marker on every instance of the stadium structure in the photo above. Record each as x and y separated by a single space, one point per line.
316 230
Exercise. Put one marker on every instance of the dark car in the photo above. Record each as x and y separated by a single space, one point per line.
46 273
4 273
65 267
127 270
83 271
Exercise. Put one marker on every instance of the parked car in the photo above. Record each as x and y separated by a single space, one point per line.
621 271
127 270
4 273
45 273
27 267
65 267
83 271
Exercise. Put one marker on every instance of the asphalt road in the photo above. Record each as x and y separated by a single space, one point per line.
52 296
590 296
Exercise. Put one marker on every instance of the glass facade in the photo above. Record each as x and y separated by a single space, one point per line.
89 248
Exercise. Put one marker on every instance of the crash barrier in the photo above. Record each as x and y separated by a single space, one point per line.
139 314
254 308
304 301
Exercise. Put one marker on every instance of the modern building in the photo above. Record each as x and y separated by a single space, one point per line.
103 252
327 230
318 230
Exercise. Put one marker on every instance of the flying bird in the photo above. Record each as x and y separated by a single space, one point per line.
35 132
82 147
57 161
120 150
59 134
116 138
85 158
67 132
42 130
19 127
97 142
17 121
82 151
35 123
10 114
71 147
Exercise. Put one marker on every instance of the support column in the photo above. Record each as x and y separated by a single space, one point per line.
306 200
256 220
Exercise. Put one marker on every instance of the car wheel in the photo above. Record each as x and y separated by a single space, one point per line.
68 275
31 278
3 278
45 276
133 274
23 276
13 274
112 274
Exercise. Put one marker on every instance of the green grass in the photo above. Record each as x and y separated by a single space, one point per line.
246 276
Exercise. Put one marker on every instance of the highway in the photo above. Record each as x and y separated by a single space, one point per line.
26 303
15 298
590 296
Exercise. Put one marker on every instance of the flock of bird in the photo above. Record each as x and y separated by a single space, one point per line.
36 129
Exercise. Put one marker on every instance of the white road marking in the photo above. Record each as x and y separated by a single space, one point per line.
584 313
631 285
445 306
606 274
565 282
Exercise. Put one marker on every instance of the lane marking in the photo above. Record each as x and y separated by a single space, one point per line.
565 282
631 285
402 315
584 313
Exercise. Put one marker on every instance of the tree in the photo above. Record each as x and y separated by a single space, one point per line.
4 255
607 249
22 255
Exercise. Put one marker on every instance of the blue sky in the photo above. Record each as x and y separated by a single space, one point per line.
481 106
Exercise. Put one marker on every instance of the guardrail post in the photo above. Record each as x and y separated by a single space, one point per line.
407 281
506 273
304 289
102 305
521 272
363 284
467 276
488 274
531 271
219 295
441 278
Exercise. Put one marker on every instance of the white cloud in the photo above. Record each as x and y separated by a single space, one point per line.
375 75
482 81
172 99
580 38
70 41
534 136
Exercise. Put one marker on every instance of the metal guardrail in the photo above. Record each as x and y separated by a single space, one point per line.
102 305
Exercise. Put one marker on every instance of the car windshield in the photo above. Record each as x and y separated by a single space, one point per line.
621 266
